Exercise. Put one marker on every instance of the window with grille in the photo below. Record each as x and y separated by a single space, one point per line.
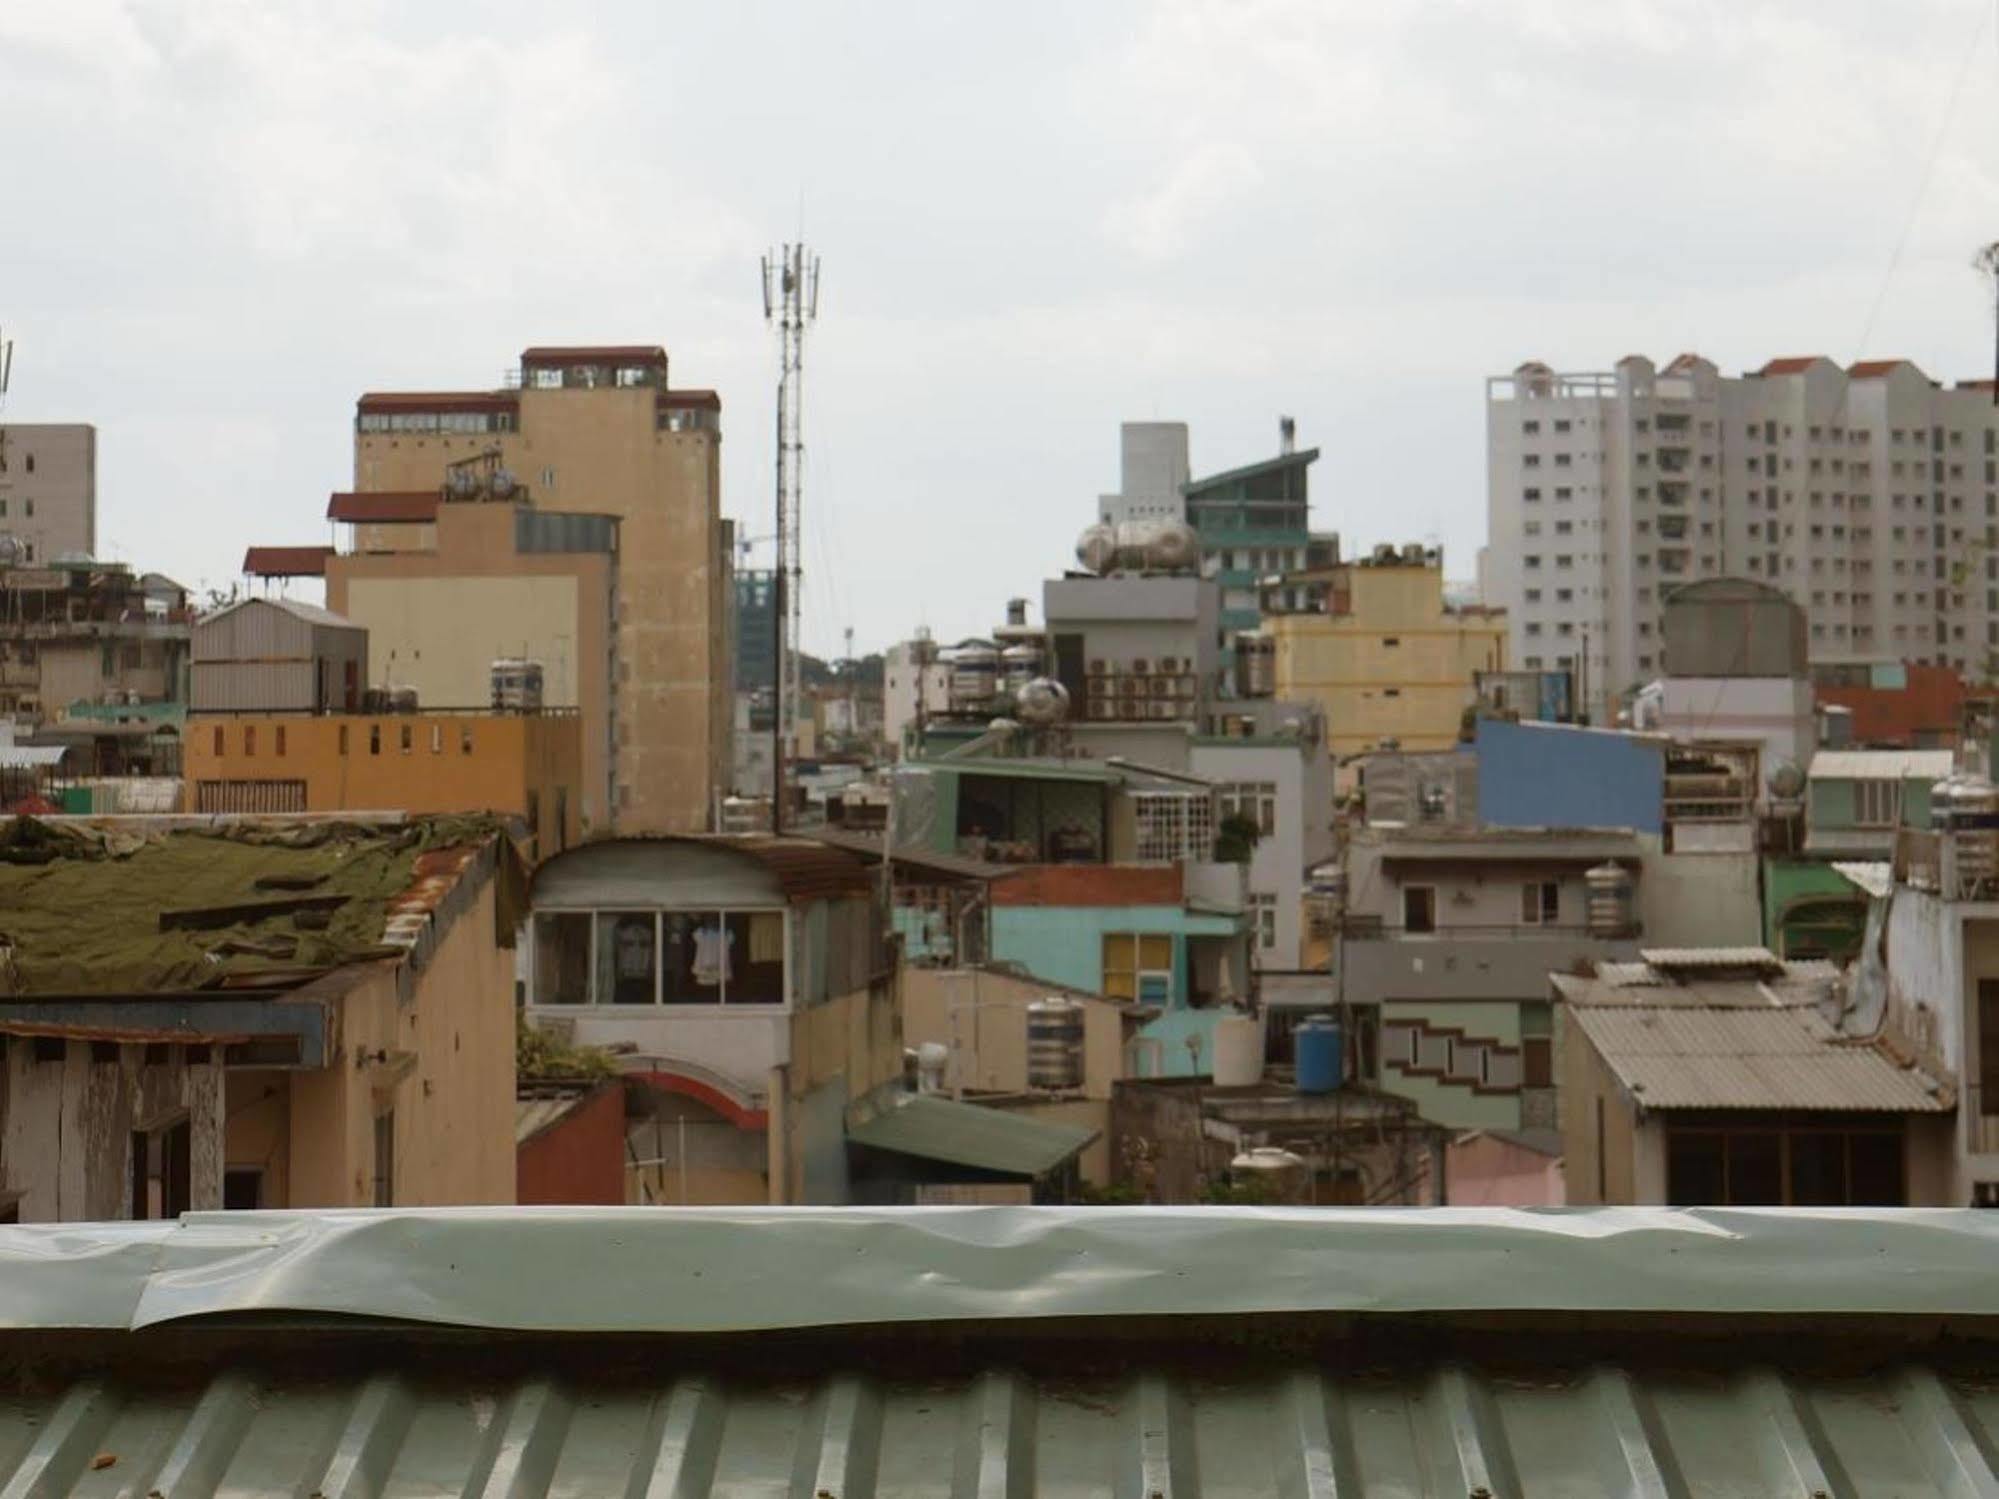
1876 804
1174 826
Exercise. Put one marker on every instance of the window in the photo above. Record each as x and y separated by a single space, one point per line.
1876 804
374 739
1255 800
343 739
1419 908
1174 826
1784 1160
408 738
249 739
1988 1046
385 1159
218 741
1263 918
437 739
279 734
1138 966
162 1171
465 740
1540 903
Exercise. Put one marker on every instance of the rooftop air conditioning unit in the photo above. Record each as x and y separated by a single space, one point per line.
1169 664
1099 667
1141 666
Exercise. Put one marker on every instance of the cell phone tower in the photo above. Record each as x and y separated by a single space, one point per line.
791 306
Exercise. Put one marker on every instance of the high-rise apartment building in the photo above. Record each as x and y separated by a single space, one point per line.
48 492
599 430
1870 495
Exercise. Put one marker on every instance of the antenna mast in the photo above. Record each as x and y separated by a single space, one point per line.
791 305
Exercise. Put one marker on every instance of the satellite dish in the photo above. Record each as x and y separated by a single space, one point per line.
1787 781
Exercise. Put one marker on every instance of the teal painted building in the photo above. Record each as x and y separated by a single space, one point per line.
1252 521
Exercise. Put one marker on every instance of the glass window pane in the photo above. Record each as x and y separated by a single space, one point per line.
1693 1168
1755 1169
627 957
1876 1179
756 950
704 959
562 958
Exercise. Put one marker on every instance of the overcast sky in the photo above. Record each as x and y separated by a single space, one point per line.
223 219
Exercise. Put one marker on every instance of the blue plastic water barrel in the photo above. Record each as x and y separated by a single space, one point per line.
1319 1059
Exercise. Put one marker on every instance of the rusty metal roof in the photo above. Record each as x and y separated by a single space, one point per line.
1687 1057
806 869
387 506
286 562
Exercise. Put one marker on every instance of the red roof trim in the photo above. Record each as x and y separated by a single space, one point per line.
286 562
1091 885
438 400
682 400
563 354
1875 369
417 506
1795 364
708 1096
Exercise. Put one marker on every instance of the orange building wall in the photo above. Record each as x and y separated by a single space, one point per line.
477 542
355 763
1926 713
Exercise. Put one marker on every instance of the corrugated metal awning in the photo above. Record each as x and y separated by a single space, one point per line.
1680 1057
968 1134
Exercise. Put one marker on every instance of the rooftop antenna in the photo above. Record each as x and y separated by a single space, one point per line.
6 365
1987 263
1287 435
791 305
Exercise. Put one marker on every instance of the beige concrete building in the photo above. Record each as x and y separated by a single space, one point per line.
1380 651
496 581
1869 495
598 430
48 490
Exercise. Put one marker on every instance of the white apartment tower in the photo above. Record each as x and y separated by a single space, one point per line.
1870 495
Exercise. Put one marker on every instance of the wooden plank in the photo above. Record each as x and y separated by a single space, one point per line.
72 1161
106 1141
203 1091
33 1131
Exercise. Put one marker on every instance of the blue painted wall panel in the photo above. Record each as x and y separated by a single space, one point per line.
1534 775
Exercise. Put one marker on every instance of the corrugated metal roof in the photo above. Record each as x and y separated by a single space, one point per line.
31 756
1684 1057
1170 1428
1695 958
384 506
913 857
1881 765
806 869
967 1134
1699 1403
535 1113
286 562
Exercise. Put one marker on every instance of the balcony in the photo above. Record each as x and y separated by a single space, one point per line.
1961 865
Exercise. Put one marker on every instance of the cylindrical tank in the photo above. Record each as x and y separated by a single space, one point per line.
1238 1051
1255 664
1317 1042
1042 702
931 1059
974 673
517 686
1016 614
1096 548
1020 664
1054 1043
1611 904
1278 1173
402 699
1173 546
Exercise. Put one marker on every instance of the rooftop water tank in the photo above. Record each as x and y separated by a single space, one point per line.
1055 1044
1020 664
974 673
1042 702
1096 548
1238 1051
1318 1045
1277 1173
1612 900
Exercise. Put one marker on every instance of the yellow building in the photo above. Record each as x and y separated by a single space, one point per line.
598 430
525 765
446 590
1382 652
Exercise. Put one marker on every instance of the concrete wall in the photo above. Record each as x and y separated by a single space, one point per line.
66 1134
437 621
578 1159
454 763
448 1075
1700 899
1623 1170
1484 1170
51 469
1732 627
982 1017
1555 776
1302 836
1397 665
1773 713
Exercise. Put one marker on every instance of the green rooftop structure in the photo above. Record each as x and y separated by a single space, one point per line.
1253 521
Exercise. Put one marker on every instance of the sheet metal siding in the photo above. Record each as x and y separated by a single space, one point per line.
1684 1058
1297 1430
1542 775
252 686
